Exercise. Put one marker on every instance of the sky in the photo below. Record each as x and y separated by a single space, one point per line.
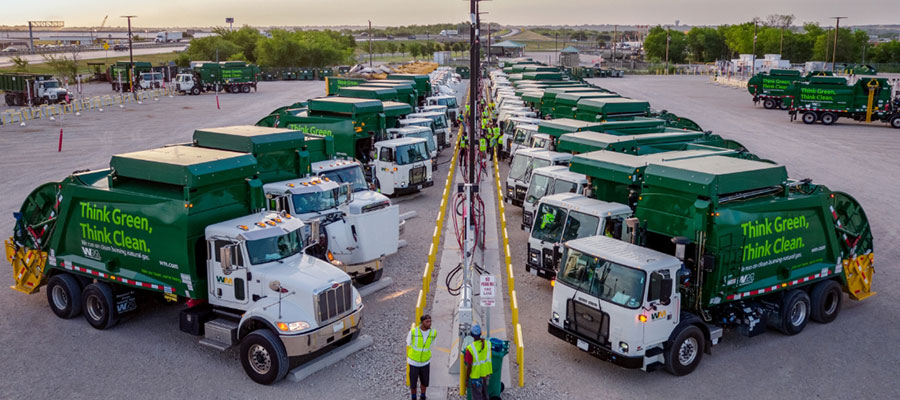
201 13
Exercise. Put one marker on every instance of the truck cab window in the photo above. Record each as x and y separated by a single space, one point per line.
386 155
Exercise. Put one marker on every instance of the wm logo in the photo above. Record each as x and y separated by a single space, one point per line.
225 281
658 315
91 253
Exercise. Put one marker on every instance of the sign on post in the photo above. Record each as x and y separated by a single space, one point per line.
488 290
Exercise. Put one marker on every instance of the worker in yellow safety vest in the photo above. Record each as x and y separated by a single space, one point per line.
478 361
418 354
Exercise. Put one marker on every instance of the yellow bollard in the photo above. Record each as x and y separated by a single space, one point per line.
426 278
514 306
520 355
420 302
510 279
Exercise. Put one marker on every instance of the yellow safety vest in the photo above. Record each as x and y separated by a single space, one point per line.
482 144
420 346
481 360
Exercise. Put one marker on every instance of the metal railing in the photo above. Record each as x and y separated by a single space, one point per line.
24 114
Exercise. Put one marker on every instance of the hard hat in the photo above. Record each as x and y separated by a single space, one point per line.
476 330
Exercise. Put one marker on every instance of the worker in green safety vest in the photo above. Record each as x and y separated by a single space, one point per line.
496 138
480 368
482 144
418 354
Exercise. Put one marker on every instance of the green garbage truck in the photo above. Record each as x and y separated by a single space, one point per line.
30 89
332 83
769 87
826 99
124 75
715 243
227 76
184 223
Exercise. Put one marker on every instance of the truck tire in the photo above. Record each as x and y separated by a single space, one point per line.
684 354
825 299
98 305
370 278
828 118
810 117
794 312
195 91
769 104
245 88
895 121
782 104
263 357
10 99
64 295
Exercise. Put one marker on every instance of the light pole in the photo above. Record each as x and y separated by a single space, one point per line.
755 31
370 43
837 27
667 50
130 54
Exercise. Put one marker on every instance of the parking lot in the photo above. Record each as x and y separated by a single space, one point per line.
146 356
824 361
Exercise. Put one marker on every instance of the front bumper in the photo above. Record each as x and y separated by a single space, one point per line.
357 270
414 188
602 352
310 342
540 271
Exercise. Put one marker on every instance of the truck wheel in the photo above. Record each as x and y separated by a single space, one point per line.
768 104
828 118
794 312
263 357
370 278
98 305
782 104
195 91
245 89
685 352
64 295
895 121
810 117
826 300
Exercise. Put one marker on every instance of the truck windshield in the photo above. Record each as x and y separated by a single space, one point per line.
561 186
429 139
449 102
535 164
519 166
411 153
549 222
50 84
353 176
579 225
316 201
520 136
539 142
274 248
538 188
440 121
603 279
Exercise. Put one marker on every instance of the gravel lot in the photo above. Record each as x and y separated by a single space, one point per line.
147 356
824 361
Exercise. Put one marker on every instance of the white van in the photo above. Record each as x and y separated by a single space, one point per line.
547 181
524 162
567 216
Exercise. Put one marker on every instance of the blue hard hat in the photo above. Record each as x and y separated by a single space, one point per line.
476 330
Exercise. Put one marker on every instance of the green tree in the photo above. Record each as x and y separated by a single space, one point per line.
655 44
204 49
245 38
415 49
884 53
63 66
706 44
20 63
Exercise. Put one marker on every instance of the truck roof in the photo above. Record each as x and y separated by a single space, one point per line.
613 105
414 120
394 109
399 142
556 127
543 154
249 138
427 114
252 222
184 165
714 176
575 97
373 90
303 185
571 89
561 172
411 129
584 204
624 253
629 168
586 141
345 105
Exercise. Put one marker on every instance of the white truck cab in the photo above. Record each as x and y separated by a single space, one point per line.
364 200
524 162
352 241
507 112
563 217
547 181
402 166
541 141
441 127
151 80
617 301
187 83
522 137
448 101
285 303
420 132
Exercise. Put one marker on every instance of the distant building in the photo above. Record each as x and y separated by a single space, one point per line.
569 57
507 48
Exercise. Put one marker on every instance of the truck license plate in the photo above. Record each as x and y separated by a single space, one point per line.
582 344
339 326
419 187
533 271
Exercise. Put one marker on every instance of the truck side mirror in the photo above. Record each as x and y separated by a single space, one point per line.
227 259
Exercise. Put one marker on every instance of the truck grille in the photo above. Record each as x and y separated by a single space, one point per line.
548 259
587 321
334 302
520 192
417 175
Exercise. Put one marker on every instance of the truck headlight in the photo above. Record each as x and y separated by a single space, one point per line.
293 326
623 346
534 257
402 183
358 300
555 316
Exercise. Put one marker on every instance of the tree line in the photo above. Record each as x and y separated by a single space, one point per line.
774 35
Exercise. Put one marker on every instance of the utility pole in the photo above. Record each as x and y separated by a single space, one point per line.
615 40
556 47
370 43
667 50
755 31
489 43
130 53
837 27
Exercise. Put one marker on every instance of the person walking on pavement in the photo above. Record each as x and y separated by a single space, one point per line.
418 355
478 361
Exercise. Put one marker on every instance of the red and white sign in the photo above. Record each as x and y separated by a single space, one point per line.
488 290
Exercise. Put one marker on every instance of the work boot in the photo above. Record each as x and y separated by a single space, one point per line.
422 397
413 396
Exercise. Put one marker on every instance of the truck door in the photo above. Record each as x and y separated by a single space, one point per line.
384 170
663 316
227 286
